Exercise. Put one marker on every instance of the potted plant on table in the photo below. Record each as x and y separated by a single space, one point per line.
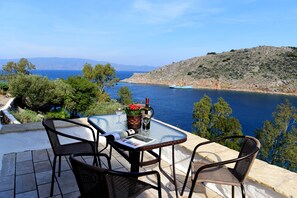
134 116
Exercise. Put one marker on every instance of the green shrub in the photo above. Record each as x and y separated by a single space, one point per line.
26 116
103 108
3 86
32 90
58 114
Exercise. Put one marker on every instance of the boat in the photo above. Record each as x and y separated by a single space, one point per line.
180 87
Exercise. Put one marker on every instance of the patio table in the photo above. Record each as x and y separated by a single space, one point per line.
163 134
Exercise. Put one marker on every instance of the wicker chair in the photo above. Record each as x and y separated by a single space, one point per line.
81 145
220 174
99 182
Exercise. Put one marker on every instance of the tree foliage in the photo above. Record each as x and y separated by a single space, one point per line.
39 93
22 67
102 75
31 90
125 95
62 94
202 116
279 137
85 93
214 121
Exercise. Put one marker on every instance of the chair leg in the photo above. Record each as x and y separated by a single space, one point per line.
232 191
141 159
185 182
159 187
59 173
192 189
53 176
110 151
242 190
108 161
98 161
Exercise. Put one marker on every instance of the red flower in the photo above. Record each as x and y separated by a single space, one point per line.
133 109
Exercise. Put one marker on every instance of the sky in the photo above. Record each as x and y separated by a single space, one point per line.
142 32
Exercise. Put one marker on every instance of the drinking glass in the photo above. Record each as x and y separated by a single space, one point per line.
119 112
145 121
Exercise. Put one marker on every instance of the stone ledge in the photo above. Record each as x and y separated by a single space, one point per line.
263 175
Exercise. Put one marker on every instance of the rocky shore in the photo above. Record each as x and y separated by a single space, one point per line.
261 69
140 78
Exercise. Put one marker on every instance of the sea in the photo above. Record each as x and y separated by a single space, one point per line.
175 106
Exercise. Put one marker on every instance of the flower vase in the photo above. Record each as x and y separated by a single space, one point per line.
134 122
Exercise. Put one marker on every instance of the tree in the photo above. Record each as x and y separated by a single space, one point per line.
31 90
62 94
279 137
85 93
22 67
40 94
214 121
202 116
102 75
125 96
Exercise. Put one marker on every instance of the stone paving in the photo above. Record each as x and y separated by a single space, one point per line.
28 174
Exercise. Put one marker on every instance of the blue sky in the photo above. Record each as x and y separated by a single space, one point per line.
142 32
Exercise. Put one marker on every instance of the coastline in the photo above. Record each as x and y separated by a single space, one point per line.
129 80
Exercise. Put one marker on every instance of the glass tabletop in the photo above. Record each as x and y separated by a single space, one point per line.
163 134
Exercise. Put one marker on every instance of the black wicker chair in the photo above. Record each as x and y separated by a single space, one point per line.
99 182
220 174
81 145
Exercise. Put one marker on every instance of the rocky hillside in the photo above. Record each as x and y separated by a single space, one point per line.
259 69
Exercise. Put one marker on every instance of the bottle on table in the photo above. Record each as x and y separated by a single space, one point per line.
148 114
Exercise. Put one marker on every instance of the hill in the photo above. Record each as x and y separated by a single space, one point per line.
54 63
258 69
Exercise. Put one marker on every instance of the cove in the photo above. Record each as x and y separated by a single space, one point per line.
175 106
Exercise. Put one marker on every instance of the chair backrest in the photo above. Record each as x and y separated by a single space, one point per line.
51 133
250 147
91 180
97 182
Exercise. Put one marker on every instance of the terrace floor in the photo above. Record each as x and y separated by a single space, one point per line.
28 174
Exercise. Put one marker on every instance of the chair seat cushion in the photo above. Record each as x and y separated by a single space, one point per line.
218 174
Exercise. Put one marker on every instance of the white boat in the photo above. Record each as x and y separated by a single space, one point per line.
180 87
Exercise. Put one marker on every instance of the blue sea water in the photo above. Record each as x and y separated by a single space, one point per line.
175 106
